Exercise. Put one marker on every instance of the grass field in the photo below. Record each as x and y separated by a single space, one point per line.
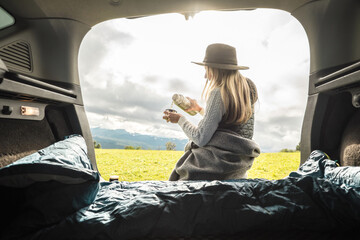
141 165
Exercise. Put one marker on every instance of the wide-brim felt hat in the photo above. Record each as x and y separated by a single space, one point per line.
221 56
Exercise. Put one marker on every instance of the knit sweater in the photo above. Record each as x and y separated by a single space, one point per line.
213 119
206 128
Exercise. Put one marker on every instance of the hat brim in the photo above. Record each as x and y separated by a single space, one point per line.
222 66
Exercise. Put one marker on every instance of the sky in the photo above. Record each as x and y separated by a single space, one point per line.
130 68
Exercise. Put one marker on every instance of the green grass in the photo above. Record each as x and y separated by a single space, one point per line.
142 165
274 165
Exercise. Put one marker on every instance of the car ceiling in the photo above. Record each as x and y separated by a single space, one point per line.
92 12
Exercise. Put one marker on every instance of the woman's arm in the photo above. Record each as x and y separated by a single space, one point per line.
214 112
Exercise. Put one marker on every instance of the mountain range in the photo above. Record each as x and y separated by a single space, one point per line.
119 138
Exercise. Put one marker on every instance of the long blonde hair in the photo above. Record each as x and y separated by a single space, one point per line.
235 93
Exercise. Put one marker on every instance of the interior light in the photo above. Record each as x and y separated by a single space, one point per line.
30 111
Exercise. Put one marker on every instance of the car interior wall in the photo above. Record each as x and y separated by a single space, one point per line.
333 49
331 125
53 46
332 30
350 142
58 122
338 111
47 38
22 137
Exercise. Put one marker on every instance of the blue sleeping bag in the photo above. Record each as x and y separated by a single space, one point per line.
320 196
42 189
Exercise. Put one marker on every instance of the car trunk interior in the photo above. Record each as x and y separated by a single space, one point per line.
39 70
33 116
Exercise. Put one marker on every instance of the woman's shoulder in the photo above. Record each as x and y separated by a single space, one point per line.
253 90
215 93
251 83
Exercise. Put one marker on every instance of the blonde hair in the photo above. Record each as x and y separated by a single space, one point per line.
235 93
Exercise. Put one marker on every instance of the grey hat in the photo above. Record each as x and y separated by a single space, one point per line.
221 56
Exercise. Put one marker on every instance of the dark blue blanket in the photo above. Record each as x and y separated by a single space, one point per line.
320 196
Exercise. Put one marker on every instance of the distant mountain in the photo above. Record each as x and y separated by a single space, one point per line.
119 138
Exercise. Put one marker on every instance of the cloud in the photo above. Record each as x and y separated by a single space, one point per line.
278 132
265 43
175 84
98 43
151 79
171 84
124 101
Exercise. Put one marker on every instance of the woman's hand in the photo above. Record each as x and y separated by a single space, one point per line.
171 116
194 105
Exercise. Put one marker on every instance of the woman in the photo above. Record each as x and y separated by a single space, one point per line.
221 146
